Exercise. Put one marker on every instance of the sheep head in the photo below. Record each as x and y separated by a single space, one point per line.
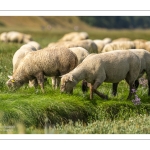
67 83
12 83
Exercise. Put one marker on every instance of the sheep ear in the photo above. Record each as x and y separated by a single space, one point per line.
10 77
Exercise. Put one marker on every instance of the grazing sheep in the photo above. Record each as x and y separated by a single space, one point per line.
35 44
75 36
118 46
54 61
104 67
3 37
89 45
14 36
144 57
81 54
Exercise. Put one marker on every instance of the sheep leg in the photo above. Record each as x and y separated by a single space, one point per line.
148 87
131 87
84 86
91 91
40 80
94 89
53 82
114 88
57 82
136 84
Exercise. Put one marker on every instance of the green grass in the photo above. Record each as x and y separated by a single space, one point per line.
28 111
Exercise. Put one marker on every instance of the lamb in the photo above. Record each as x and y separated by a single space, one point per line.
54 61
35 44
14 36
104 67
75 36
89 45
118 46
144 57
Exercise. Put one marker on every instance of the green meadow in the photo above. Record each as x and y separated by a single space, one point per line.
30 112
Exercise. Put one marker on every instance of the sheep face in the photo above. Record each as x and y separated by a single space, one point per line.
12 84
67 84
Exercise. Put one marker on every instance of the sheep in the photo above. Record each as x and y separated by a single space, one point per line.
35 44
107 40
89 45
20 54
147 46
121 39
118 46
100 44
80 52
139 43
3 37
75 36
18 57
14 36
54 61
104 67
144 57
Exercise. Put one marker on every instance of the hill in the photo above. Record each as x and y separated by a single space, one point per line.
43 23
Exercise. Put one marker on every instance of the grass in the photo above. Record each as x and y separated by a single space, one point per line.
27 111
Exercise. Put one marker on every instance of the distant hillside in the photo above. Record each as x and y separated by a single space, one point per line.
43 22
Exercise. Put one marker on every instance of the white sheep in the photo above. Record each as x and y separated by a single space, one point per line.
75 36
54 61
100 44
104 67
147 46
35 44
121 39
119 46
80 52
144 57
20 54
18 57
14 36
139 43
89 45
107 40
3 37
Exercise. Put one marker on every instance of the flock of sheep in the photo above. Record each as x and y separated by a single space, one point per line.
76 58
